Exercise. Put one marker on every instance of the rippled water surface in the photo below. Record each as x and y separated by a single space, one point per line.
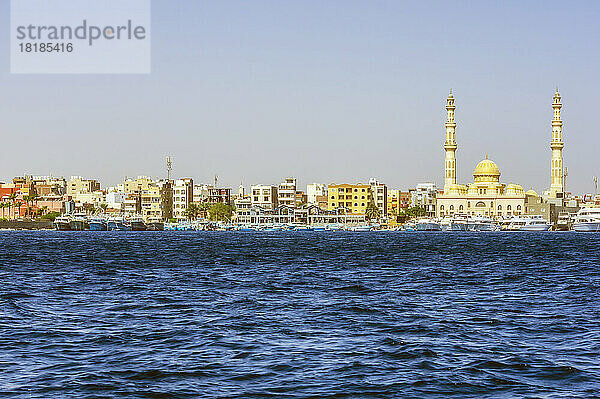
299 315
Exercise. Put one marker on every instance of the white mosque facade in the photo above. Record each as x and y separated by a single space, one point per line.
487 196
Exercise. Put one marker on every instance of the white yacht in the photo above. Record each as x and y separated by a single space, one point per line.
426 224
587 219
529 223
480 223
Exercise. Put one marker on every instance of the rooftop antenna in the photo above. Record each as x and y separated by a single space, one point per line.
216 179
169 167
595 185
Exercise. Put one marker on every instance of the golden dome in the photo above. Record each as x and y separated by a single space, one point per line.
486 170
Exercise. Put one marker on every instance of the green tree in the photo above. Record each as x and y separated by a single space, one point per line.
50 216
220 212
192 211
415 212
372 211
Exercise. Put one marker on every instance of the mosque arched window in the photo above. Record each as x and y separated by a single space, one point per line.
460 208
518 207
441 207
499 207
508 207
480 204
451 207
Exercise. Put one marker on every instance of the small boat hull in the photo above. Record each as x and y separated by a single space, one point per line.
589 227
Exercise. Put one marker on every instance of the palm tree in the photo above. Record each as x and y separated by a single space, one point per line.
3 206
17 204
27 199
372 211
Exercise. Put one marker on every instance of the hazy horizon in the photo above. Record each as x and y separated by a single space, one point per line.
325 92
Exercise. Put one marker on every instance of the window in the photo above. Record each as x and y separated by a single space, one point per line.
451 207
441 207
508 207
499 207
356 204
518 207
460 208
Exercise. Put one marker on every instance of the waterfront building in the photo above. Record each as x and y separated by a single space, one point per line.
115 197
380 193
156 201
315 190
78 185
200 193
322 201
89 201
137 185
306 215
353 197
424 196
393 203
133 203
286 192
264 196
183 196
486 196
222 195
242 209
48 185
301 198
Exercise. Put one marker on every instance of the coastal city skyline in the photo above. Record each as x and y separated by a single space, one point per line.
251 105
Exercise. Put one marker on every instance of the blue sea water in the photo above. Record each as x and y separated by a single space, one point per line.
299 315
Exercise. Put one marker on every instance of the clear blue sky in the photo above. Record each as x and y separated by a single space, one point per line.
325 91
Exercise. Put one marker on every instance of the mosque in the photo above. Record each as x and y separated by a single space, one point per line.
487 196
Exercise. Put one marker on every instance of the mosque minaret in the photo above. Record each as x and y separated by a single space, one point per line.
556 166
487 195
450 144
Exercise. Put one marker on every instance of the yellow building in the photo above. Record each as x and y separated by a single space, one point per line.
137 185
156 201
393 203
354 197
78 185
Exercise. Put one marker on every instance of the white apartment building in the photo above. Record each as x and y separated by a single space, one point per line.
379 192
264 196
315 190
183 195
424 195
286 192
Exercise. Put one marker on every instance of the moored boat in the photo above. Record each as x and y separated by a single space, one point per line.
137 223
426 224
529 223
62 223
118 223
79 222
98 224
155 225
480 223
587 220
